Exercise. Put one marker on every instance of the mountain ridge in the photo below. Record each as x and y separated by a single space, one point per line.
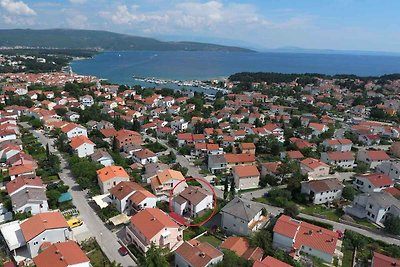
101 40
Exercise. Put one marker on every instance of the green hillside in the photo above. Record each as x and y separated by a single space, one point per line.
89 39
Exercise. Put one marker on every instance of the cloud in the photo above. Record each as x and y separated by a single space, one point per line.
17 7
77 1
212 17
77 21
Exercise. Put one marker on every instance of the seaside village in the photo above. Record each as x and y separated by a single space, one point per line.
284 174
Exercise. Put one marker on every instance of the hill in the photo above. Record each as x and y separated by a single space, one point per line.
91 39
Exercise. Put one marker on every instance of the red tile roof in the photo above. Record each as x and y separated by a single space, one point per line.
377 180
339 155
241 247
38 223
80 140
380 260
62 254
270 262
111 172
313 163
19 182
377 155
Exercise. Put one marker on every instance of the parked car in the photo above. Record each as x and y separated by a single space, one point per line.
74 222
123 251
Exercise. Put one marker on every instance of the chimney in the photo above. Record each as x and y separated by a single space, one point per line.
394 263
310 232
61 258
202 254
57 251
320 230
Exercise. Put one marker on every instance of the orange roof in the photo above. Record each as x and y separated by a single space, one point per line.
340 155
246 171
19 182
62 254
151 221
317 126
38 223
313 163
236 158
294 154
270 262
377 180
198 254
20 169
69 126
108 132
248 145
380 260
111 172
241 247
167 175
80 140
141 195
377 155
306 234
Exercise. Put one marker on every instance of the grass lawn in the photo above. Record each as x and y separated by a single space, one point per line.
249 190
330 214
347 257
188 234
212 240
366 223
94 253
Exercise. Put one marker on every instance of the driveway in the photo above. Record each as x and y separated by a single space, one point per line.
107 240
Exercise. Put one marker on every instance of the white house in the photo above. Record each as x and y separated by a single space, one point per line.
391 168
375 206
82 146
192 200
372 182
110 176
130 196
299 237
342 145
242 217
6 135
73 129
153 226
314 168
44 227
103 157
145 156
338 158
246 177
322 191
373 157
86 101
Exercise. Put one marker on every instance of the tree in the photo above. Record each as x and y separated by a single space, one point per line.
115 145
392 225
348 193
291 210
233 190
362 167
47 151
226 187
155 257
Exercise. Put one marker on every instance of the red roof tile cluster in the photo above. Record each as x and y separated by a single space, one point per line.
62 254
270 262
41 222
378 180
241 247
380 260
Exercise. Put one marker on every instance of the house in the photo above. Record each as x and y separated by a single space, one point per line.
375 206
242 248
72 130
197 254
246 177
144 156
153 226
127 137
249 148
184 139
21 170
380 260
314 168
292 155
110 176
48 227
322 191
163 183
202 149
342 159
130 196
63 254
317 128
192 201
179 125
270 262
391 169
297 237
151 170
369 139
372 157
372 182
82 146
103 157
239 159
6 135
242 217
86 101
72 116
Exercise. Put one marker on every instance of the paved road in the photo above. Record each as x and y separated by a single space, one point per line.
106 239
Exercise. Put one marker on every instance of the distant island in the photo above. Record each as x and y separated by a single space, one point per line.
99 40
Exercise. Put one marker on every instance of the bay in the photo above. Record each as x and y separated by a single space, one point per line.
119 67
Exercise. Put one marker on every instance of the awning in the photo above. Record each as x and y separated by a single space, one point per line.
102 200
119 219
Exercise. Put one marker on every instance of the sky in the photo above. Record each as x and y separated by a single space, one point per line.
363 25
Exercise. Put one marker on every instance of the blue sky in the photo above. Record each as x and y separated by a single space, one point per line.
372 25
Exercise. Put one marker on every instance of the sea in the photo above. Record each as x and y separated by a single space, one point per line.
121 67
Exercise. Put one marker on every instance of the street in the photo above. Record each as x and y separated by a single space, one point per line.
107 240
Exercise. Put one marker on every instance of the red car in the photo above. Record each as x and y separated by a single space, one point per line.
340 234
123 251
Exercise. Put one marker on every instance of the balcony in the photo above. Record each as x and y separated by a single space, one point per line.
257 224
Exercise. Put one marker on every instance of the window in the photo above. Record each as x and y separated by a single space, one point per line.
35 243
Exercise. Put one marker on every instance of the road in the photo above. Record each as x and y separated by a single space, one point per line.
107 240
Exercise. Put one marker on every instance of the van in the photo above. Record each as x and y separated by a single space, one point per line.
74 222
